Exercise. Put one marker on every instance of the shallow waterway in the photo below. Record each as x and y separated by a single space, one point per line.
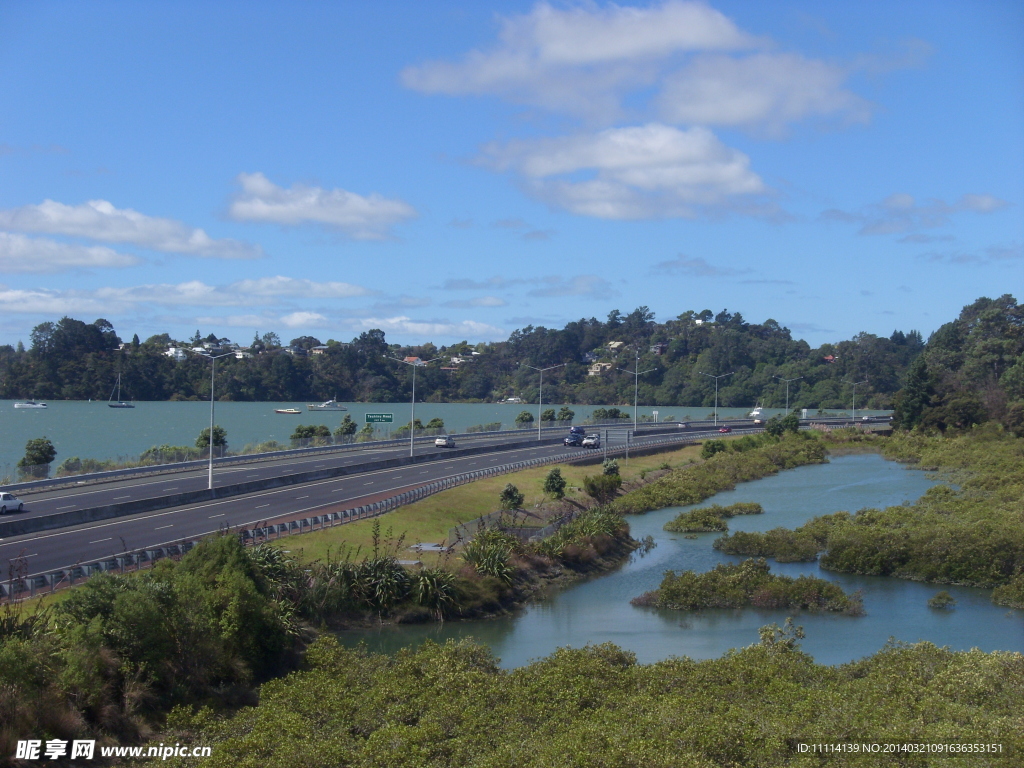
599 611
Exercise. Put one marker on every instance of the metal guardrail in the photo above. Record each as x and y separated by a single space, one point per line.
28 586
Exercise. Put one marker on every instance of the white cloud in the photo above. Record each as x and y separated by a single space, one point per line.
194 293
646 171
480 301
304 320
694 266
425 329
580 60
100 220
19 253
362 218
41 301
901 213
763 91
299 287
490 284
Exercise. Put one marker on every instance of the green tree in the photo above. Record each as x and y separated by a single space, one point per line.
711 447
774 427
524 419
548 414
435 423
554 483
566 414
915 396
347 427
220 437
39 453
610 467
602 488
791 423
511 497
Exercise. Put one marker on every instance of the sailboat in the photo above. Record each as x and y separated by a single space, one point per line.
119 403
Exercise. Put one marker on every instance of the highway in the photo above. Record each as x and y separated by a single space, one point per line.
50 550
54 549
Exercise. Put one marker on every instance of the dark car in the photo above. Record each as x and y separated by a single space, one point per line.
581 431
725 429
574 439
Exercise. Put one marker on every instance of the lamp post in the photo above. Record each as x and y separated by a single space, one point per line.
637 373
787 387
716 378
855 383
412 415
213 371
540 397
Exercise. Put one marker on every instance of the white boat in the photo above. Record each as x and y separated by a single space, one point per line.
513 401
289 411
757 413
330 405
30 404
119 403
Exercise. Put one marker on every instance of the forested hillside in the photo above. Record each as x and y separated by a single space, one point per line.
71 359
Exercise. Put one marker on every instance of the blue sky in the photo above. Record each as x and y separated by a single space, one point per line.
455 170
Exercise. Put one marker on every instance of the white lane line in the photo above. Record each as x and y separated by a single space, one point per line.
122 497
369 483
261 506
164 526
172 488
303 497
69 506
220 515
98 541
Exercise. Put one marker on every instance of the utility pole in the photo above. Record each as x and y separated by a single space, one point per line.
412 414
637 373
855 383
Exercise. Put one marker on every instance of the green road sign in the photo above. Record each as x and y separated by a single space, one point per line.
380 418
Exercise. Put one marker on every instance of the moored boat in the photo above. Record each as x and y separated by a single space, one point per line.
330 405
289 411
119 403
30 404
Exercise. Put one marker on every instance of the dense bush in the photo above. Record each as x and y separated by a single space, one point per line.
749 583
781 544
710 518
451 705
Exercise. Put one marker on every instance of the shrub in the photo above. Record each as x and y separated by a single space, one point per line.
602 488
610 467
942 600
554 483
511 497
711 447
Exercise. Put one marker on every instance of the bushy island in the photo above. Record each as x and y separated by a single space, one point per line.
748 584
710 519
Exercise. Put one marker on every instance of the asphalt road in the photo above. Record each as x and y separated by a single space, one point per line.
51 550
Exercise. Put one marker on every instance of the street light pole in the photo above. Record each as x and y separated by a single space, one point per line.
855 383
716 378
787 388
213 372
637 373
540 397
412 414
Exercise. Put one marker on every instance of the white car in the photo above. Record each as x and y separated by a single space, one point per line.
591 441
10 503
445 441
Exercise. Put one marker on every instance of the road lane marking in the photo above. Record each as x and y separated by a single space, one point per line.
220 515
302 497
164 526
69 506
261 506
122 497
98 541
172 488
369 483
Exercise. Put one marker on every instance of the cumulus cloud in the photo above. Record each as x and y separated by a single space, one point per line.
100 220
42 301
304 320
580 60
901 213
360 217
300 287
638 172
694 266
764 91
490 284
19 253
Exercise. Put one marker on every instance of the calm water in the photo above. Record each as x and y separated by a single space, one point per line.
92 430
599 611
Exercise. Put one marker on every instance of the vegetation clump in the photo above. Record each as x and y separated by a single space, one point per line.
942 600
748 584
711 518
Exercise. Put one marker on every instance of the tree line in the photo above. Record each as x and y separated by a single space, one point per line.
72 359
